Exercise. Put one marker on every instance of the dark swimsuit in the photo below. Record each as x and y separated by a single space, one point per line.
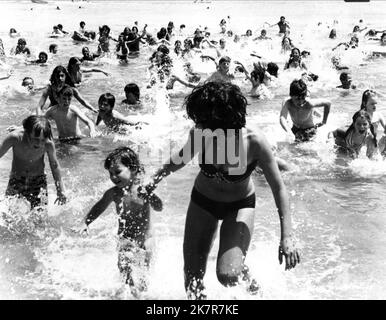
220 209
304 135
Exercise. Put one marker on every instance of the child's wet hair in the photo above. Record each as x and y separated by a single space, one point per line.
66 92
343 76
217 105
23 83
132 88
21 41
127 157
298 88
52 47
108 97
272 69
43 54
365 97
36 125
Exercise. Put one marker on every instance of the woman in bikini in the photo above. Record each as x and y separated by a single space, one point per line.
360 134
223 189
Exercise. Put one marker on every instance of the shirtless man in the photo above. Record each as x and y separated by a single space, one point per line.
301 110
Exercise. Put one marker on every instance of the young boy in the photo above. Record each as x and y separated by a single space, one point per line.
66 118
301 110
345 79
133 212
29 84
132 94
111 118
29 145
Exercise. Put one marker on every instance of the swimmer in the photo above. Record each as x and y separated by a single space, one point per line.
301 110
66 117
134 215
53 48
346 81
87 55
29 84
132 94
21 48
282 24
263 36
82 26
369 104
110 117
295 60
360 134
29 144
332 34
352 44
75 70
42 59
60 27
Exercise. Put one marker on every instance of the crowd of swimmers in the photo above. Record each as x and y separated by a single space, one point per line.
215 103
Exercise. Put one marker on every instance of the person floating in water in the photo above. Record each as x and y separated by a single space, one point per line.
221 192
29 144
301 110
134 215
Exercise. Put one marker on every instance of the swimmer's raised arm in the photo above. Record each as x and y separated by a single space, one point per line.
42 101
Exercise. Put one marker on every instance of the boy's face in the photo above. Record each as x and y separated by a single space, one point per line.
224 66
65 100
104 107
28 83
121 175
42 58
37 142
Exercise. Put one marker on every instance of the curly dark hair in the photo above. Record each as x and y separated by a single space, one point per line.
217 105
127 157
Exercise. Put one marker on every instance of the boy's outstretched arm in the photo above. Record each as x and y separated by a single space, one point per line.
42 101
82 101
55 169
86 120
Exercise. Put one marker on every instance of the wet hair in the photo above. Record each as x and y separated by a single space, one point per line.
182 26
134 27
132 88
25 79
43 54
82 22
272 69
107 97
66 92
298 88
305 52
217 105
282 17
12 30
104 28
72 62
84 50
54 79
224 59
362 114
355 29
21 41
263 31
164 49
36 125
52 47
60 26
344 76
371 33
365 97
127 157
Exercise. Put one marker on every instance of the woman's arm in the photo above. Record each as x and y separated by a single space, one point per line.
85 70
266 161
42 101
82 101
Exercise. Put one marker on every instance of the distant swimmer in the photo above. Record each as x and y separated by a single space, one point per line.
346 81
282 24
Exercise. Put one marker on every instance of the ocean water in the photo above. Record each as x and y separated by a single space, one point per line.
337 205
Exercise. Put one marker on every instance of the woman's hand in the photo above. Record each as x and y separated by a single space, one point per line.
287 248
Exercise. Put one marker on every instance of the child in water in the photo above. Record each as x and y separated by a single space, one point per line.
360 134
132 94
111 118
66 118
134 230
29 144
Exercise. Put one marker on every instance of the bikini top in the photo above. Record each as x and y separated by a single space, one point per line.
210 171
350 144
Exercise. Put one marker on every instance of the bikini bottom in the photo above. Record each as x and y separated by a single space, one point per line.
218 209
